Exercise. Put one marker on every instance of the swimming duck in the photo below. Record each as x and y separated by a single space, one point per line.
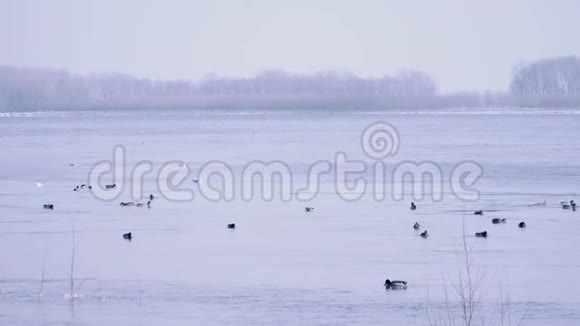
232 226
565 205
416 226
48 206
413 206
396 284
127 236
479 212
522 225
568 205
309 209
424 234
481 234
113 186
499 220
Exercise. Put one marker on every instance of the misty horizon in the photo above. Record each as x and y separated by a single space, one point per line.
547 83
209 76
465 46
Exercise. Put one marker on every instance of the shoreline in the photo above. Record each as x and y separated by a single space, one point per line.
274 112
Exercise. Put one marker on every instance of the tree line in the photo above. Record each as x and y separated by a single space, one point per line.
550 82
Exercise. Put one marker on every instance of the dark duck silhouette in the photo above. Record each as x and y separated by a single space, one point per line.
395 284
113 186
522 225
127 236
48 206
78 188
479 212
481 234
567 205
499 220
413 206
416 226
232 226
424 234
308 209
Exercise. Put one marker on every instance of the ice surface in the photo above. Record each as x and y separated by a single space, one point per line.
282 265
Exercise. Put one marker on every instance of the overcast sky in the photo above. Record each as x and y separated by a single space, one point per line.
465 45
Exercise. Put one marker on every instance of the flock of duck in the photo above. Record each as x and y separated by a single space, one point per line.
395 284
129 235
398 284
483 234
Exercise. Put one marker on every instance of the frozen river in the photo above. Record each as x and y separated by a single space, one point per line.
282 265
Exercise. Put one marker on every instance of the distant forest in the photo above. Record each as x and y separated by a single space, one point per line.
545 83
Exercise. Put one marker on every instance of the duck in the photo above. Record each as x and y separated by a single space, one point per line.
522 225
113 186
481 234
479 212
413 206
565 205
499 220
424 234
395 284
416 226
48 206
568 205
232 226
309 209
127 236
